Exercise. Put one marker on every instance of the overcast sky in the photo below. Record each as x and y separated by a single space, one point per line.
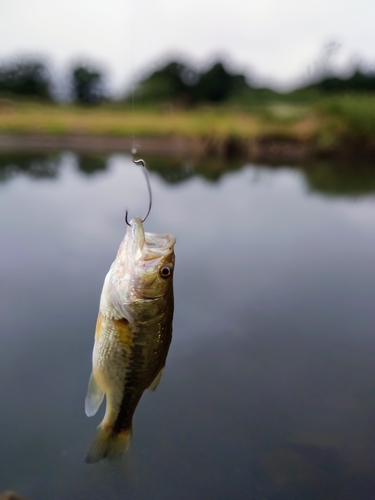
273 40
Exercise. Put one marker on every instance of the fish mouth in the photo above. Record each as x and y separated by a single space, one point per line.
149 246
158 245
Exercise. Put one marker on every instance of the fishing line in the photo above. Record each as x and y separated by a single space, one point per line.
133 143
133 148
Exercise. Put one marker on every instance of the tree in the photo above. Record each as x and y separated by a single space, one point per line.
358 82
179 83
25 78
171 82
217 85
87 85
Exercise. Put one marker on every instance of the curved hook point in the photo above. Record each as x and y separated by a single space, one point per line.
126 218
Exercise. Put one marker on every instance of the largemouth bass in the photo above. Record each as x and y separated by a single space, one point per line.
132 336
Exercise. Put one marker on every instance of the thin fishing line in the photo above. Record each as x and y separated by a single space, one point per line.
133 148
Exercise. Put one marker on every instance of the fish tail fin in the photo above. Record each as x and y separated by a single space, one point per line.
108 444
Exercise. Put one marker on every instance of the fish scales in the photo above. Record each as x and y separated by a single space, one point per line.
146 359
133 334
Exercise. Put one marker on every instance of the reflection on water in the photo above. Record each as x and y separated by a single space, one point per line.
91 164
35 166
329 178
269 387
341 178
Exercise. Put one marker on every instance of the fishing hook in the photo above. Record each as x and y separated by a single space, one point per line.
145 172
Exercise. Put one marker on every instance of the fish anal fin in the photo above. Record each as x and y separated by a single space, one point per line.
156 381
108 444
94 397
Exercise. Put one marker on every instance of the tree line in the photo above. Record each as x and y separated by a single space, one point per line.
32 79
185 85
174 82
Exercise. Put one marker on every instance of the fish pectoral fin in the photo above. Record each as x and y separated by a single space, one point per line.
156 381
94 397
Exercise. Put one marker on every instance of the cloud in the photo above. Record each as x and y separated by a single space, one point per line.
278 39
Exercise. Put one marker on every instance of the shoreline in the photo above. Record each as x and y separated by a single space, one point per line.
172 146
335 127
260 148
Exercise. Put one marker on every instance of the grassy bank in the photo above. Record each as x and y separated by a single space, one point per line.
116 120
326 123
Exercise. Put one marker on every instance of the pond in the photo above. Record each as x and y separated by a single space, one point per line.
269 388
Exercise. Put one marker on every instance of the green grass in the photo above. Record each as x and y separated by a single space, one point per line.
110 119
300 115
353 116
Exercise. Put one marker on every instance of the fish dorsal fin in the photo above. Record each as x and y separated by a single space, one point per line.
94 397
156 380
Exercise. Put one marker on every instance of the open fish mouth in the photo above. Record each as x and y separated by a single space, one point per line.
157 245
149 246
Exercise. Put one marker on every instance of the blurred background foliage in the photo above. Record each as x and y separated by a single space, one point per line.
174 82
185 86
87 84
34 79
326 109
26 78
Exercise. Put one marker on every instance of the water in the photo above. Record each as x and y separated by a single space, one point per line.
269 390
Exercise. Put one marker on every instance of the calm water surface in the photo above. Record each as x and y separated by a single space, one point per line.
269 390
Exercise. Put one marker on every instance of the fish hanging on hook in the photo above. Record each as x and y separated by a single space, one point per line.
133 333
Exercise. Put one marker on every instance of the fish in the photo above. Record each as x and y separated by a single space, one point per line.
132 335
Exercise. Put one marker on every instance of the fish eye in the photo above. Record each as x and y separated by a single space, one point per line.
165 272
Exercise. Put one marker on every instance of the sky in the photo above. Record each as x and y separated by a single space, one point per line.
277 42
